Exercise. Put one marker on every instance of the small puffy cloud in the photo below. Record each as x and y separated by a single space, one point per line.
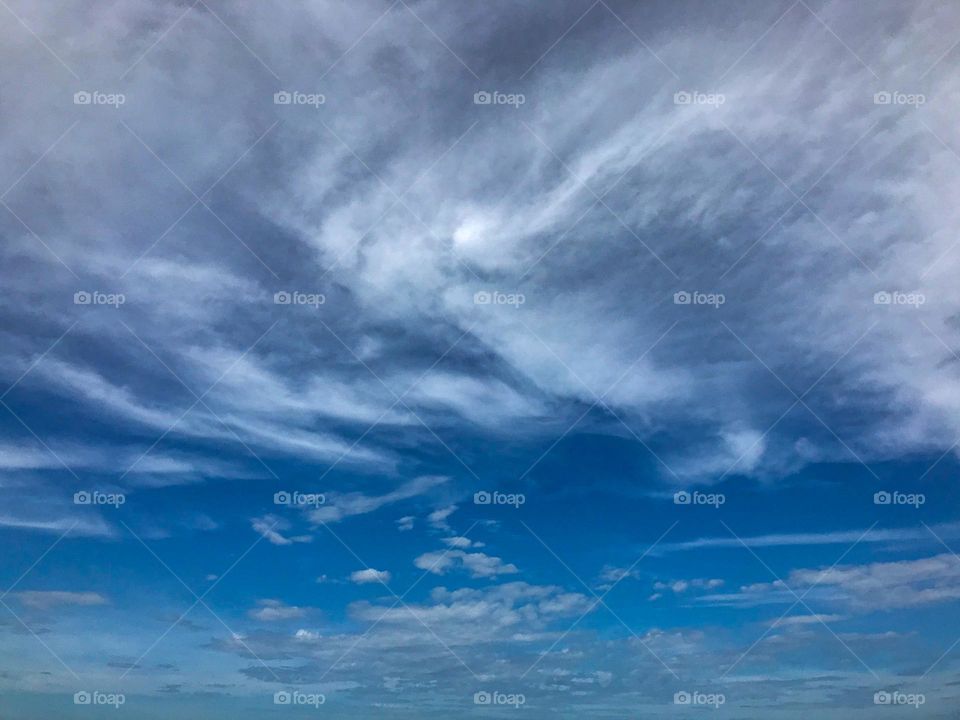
365 577
405 523
271 526
274 610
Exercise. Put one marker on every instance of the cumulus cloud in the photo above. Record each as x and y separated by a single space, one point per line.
369 575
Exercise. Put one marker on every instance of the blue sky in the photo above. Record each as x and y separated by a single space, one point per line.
427 358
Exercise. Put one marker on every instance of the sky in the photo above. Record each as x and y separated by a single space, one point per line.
429 358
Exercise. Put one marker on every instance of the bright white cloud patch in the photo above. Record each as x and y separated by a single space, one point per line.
369 575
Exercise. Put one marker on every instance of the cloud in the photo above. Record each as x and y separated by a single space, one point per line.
271 526
275 610
681 586
438 518
343 505
869 587
698 186
405 523
48 599
461 542
797 199
817 619
479 565
840 537
369 575
81 526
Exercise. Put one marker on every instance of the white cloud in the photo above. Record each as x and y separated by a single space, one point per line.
369 575
874 586
839 537
47 599
479 565
342 505
275 610
271 526
438 518
681 586
460 542
816 619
